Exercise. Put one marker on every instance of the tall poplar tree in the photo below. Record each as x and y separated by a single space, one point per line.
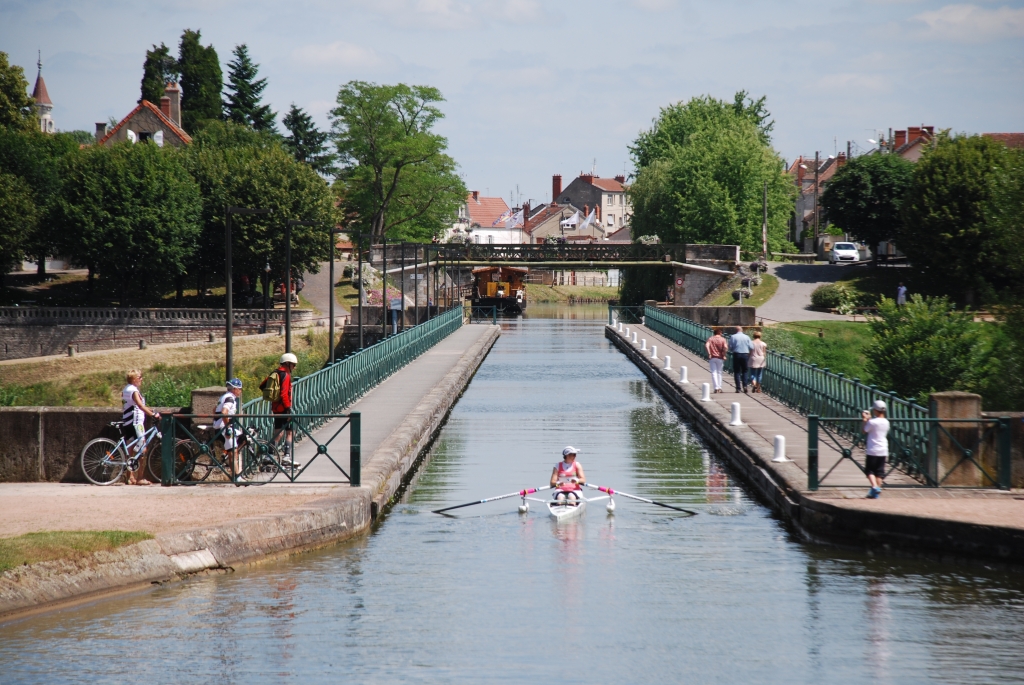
242 105
201 81
307 143
159 68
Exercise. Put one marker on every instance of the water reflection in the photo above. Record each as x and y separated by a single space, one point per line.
492 595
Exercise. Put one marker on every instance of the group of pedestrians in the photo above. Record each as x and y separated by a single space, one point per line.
749 359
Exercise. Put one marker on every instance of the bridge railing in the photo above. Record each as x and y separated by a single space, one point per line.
339 385
809 389
592 252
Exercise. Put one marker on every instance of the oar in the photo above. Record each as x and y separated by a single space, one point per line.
641 499
518 493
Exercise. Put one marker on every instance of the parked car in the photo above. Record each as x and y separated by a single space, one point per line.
844 252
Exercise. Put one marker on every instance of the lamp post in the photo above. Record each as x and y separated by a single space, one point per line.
229 309
330 294
359 284
288 278
266 287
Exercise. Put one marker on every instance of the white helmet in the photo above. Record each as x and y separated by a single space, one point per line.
289 358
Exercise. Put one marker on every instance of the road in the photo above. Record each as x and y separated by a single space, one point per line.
318 289
792 301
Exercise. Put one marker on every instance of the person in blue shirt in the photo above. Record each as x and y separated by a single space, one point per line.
740 345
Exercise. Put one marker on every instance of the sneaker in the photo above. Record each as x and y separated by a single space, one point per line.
872 494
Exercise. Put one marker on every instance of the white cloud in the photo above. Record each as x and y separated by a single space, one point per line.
970 23
340 54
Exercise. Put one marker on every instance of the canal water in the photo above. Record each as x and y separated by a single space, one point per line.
489 595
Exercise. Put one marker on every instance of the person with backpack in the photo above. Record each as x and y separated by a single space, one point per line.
277 389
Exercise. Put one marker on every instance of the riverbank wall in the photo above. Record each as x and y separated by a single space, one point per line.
813 515
342 514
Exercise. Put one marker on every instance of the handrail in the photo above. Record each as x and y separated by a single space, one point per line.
336 386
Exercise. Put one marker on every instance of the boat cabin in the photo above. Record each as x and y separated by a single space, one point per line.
500 286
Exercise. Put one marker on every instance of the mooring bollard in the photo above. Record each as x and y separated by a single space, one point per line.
620 327
654 351
780 449
668 363
643 344
683 376
627 331
735 415
634 339
705 392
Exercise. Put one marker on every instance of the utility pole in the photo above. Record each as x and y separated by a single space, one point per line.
817 166
288 278
229 332
764 223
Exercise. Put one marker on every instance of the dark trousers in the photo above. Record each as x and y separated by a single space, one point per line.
739 369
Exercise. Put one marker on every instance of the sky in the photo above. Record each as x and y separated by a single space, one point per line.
563 86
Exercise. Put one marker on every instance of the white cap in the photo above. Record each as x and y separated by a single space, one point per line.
569 450
288 357
879 405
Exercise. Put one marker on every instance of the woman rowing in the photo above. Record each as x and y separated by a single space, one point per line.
567 477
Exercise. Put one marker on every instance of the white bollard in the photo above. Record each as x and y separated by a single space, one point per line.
668 363
620 327
634 339
735 415
705 392
627 331
683 376
780 449
643 344
654 351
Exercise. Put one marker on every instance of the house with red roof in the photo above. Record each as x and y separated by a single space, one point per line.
484 220
1011 140
149 123
606 196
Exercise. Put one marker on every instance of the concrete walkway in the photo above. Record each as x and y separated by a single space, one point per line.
792 301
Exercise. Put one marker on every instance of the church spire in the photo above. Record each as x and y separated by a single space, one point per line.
43 105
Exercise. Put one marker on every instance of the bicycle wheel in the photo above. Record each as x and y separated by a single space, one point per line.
259 462
103 462
184 461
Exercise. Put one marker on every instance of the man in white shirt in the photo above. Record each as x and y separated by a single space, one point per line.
226 408
876 426
901 295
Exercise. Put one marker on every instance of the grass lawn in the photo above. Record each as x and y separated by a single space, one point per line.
762 293
536 292
841 350
47 546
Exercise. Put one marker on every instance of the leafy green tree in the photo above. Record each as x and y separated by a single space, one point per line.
18 218
926 346
159 68
131 214
1004 218
864 197
235 166
244 92
945 233
307 143
1001 389
396 176
15 103
201 81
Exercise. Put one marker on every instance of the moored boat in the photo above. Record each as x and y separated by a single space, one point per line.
503 287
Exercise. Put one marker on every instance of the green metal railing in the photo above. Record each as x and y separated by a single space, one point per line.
625 313
339 385
811 390
483 313
963 438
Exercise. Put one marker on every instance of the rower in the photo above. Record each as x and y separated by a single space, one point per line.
567 477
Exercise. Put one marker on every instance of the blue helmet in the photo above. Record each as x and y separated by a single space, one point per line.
235 383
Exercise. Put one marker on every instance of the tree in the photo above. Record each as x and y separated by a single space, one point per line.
1004 217
201 81
131 214
235 166
397 176
244 92
18 218
15 103
864 197
306 143
158 69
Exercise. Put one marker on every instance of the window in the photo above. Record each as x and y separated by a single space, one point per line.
611 219
490 240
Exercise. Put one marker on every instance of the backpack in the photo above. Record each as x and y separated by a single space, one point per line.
271 387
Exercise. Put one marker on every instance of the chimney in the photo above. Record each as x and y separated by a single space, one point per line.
165 106
587 178
476 196
586 210
913 133
621 179
556 187
840 160
173 93
800 170
901 139
101 130
928 131
526 212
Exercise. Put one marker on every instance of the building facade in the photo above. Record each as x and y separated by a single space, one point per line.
591 192
149 123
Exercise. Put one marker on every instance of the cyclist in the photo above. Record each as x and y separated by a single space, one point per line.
282 407
133 419
227 406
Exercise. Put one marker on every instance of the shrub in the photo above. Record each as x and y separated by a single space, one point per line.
834 296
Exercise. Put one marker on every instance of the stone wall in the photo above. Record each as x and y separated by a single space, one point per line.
715 316
690 286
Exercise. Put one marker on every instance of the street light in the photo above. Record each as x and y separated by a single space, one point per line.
288 278
334 232
266 286
229 332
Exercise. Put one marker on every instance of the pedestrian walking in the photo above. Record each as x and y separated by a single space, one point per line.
277 389
716 346
876 426
757 362
740 345
901 295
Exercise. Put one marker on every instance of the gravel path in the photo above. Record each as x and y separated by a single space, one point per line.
792 301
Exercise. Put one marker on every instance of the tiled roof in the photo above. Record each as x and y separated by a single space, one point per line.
1014 140
39 93
608 184
484 210
180 132
547 213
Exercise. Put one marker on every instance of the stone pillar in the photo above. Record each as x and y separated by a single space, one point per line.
204 400
945 459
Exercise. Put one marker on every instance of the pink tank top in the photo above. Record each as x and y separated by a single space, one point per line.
565 474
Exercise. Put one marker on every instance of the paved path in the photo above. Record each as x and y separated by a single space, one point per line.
765 417
29 507
792 301
318 290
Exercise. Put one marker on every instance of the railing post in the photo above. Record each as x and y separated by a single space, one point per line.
1005 463
812 452
355 456
167 450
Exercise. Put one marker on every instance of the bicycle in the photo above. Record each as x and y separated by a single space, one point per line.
104 461
259 457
